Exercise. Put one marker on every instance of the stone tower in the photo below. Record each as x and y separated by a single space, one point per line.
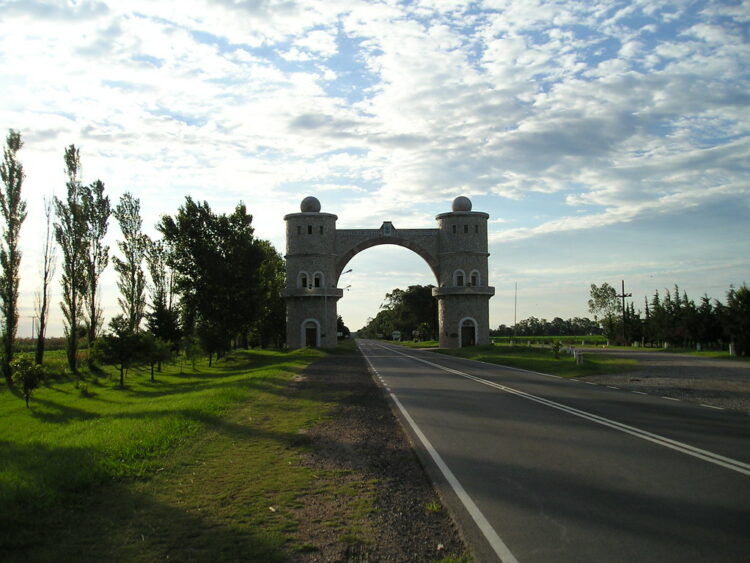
463 293
317 253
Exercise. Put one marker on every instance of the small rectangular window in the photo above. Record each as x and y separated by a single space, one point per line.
321 229
299 229
459 280
476 228
454 229
309 229
466 228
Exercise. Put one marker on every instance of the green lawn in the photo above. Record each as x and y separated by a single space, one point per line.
419 344
590 340
79 437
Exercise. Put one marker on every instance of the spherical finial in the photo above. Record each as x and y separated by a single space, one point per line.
462 203
310 205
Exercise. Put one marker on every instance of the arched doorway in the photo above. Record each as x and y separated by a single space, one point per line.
310 333
453 250
467 332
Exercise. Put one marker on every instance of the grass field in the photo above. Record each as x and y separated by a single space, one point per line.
88 456
536 358
590 340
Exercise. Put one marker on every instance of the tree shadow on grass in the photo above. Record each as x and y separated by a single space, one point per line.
117 523
267 382
56 413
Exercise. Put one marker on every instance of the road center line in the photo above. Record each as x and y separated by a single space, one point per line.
728 463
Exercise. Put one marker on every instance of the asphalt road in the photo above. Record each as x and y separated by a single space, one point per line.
539 468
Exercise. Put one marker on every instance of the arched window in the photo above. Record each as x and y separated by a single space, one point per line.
302 279
474 279
318 279
458 278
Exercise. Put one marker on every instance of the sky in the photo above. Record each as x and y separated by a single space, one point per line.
607 140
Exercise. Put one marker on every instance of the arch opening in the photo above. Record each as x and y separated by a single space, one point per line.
417 249
377 272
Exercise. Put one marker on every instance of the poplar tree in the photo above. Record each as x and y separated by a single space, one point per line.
162 320
96 209
70 233
49 261
13 210
132 280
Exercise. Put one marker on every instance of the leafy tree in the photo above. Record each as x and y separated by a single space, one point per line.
342 328
13 210
604 303
154 351
216 262
132 280
405 311
532 326
96 210
27 376
70 233
49 262
120 347
270 327
192 349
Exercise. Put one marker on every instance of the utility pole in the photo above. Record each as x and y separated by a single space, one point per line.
623 295
515 309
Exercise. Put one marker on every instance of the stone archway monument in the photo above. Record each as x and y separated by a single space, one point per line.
317 252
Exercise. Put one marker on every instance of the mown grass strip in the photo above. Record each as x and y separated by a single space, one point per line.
238 414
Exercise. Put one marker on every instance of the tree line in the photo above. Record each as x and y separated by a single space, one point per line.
673 319
556 327
207 285
413 312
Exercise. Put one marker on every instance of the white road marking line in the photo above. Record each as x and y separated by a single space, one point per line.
589 383
712 407
497 544
612 387
669 398
639 393
726 462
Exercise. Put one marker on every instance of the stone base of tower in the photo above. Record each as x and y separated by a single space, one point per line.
464 318
311 317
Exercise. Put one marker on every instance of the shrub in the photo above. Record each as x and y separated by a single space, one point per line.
26 375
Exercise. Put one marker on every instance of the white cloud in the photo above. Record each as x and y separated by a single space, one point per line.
606 115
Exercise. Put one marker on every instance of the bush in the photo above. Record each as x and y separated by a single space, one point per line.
26 375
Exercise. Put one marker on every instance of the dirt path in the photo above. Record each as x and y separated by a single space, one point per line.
716 382
403 519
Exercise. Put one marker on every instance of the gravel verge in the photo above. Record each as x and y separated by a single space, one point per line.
716 382
383 507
